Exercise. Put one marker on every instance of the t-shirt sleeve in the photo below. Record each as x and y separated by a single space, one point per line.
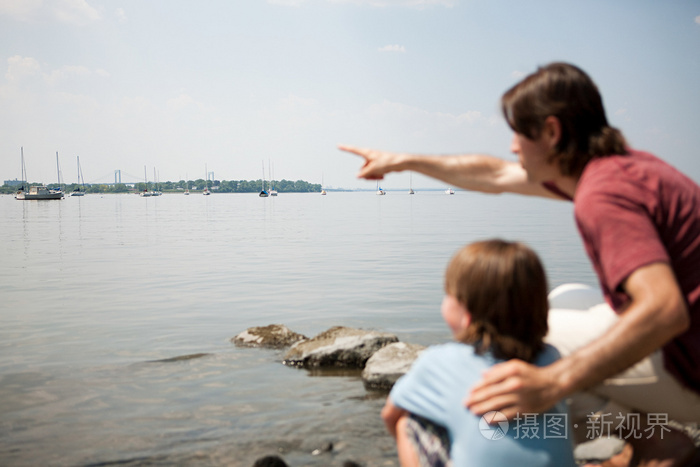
615 221
421 391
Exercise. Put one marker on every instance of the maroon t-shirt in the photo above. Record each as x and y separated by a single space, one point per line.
634 210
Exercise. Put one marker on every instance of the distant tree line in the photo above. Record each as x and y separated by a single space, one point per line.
220 186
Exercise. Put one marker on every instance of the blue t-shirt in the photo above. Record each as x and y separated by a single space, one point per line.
435 389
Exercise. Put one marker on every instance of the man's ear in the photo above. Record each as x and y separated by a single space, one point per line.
552 131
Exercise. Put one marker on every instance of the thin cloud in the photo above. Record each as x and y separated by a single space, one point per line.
401 3
292 3
21 11
77 12
66 72
420 118
74 12
418 4
18 67
121 15
393 48
697 20
183 102
85 105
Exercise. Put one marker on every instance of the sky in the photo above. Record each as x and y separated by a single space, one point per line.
184 87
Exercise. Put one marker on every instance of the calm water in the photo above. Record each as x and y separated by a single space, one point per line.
96 290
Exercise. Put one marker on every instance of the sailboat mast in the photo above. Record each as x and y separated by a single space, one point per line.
58 171
24 173
80 173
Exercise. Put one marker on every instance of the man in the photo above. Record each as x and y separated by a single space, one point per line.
639 219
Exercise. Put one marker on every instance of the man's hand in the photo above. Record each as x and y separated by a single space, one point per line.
515 387
377 163
476 172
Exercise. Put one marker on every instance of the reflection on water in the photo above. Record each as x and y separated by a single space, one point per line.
117 313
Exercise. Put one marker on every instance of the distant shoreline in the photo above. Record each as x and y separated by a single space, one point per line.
5 190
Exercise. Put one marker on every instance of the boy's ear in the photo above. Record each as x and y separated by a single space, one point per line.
466 320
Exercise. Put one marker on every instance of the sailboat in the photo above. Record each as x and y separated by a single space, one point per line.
37 191
273 192
449 191
206 191
145 193
58 174
410 184
263 191
81 180
187 186
323 190
155 191
379 189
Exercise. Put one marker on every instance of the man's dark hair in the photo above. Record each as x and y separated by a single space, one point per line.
567 93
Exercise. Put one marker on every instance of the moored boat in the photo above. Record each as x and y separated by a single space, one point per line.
37 191
379 190
273 192
206 191
78 191
263 192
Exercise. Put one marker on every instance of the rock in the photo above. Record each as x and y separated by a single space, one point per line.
270 461
389 364
274 336
339 346
179 358
327 447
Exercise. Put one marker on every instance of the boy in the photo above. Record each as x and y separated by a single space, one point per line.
496 307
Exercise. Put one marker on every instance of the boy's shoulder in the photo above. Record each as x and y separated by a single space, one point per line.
459 351
452 353
449 348
547 356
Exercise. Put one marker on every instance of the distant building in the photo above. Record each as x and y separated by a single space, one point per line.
14 182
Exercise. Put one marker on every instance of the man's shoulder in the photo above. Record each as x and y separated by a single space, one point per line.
636 179
619 177
635 167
